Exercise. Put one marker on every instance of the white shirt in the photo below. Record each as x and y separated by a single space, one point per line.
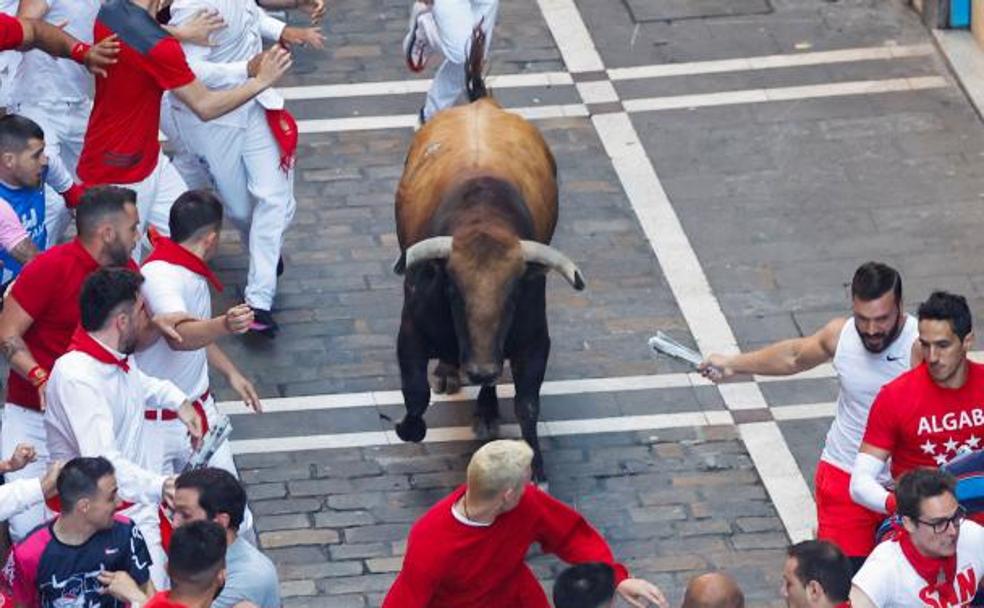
861 374
223 65
41 77
171 288
890 581
18 495
97 409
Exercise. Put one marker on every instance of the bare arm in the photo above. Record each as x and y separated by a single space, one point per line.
32 9
314 8
199 333
24 251
14 323
859 599
780 359
54 41
218 360
208 104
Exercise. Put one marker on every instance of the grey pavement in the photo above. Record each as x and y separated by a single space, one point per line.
780 201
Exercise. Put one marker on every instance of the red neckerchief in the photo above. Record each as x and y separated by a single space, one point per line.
284 129
166 250
844 604
163 600
939 573
83 342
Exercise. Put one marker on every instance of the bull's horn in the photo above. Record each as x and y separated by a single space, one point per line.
538 253
434 248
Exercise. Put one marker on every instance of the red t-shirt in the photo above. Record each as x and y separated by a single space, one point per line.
161 600
922 424
121 145
11 33
48 290
450 564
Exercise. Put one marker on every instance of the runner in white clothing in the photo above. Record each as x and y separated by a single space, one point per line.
868 350
452 22
96 396
249 151
177 279
56 93
937 557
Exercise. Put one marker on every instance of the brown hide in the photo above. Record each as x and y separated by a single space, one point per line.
479 139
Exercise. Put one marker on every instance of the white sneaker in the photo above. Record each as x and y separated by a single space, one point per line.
420 44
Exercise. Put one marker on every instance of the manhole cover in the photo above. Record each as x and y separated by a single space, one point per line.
670 10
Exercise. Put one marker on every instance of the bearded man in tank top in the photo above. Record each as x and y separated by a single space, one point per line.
867 350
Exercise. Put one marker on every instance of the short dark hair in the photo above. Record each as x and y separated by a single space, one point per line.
79 479
98 203
218 492
103 291
872 280
946 306
16 130
825 563
196 555
588 585
918 485
192 213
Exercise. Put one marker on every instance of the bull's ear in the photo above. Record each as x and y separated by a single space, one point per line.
400 265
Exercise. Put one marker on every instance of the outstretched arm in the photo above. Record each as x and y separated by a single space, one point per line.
780 359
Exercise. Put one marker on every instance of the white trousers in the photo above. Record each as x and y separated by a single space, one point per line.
455 20
169 438
23 425
64 125
191 166
258 195
155 196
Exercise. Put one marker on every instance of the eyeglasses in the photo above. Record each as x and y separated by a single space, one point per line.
939 526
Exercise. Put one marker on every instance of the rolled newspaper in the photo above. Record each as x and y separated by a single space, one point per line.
219 431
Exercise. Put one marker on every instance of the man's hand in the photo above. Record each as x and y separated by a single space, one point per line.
198 29
314 8
189 416
23 455
168 490
273 65
102 55
244 388
122 587
639 593
238 319
49 483
715 368
302 36
253 65
167 324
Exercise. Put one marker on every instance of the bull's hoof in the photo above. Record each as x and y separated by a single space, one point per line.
411 428
486 429
446 379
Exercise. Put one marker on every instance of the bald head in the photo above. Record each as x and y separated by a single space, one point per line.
713 590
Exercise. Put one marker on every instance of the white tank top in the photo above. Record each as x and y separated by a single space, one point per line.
861 375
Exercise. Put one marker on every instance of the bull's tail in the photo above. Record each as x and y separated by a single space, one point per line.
474 64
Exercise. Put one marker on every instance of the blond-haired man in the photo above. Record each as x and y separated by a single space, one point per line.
469 548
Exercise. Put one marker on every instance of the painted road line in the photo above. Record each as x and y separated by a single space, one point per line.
571 36
768 450
559 428
765 62
409 121
806 411
408 87
747 96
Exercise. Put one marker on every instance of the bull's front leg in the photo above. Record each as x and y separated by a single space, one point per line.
528 370
412 356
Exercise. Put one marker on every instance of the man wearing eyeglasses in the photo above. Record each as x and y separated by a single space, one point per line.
936 559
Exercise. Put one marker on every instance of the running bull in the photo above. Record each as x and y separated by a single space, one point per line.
476 208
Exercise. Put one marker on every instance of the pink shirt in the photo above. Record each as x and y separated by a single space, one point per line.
12 231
